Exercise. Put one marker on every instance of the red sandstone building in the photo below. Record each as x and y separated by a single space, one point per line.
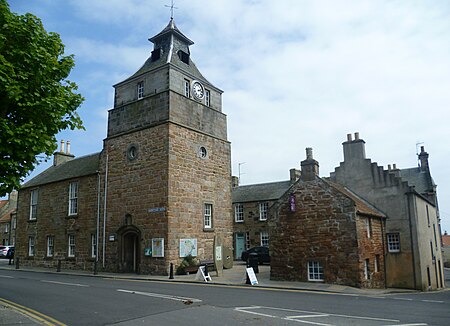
321 231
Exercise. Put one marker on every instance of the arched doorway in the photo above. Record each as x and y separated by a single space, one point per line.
129 249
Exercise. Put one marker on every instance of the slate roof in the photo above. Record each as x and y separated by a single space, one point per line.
78 167
260 192
149 65
421 180
362 206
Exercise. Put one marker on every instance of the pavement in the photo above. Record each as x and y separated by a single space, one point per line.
11 314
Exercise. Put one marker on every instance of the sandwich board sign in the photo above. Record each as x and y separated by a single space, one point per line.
201 275
251 275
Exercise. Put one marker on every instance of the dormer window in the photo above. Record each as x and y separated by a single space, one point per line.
184 57
156 54
140 90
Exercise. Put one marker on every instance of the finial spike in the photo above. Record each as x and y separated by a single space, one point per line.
172 7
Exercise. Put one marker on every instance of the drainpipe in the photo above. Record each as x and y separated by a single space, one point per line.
104 211
383 236
98 220
408 197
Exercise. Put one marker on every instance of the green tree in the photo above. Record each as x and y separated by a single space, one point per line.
36 98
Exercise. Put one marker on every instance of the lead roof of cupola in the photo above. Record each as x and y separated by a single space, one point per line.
171 28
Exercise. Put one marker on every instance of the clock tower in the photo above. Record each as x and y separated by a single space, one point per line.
167 163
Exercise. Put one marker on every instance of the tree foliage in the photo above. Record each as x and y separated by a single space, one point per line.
36 98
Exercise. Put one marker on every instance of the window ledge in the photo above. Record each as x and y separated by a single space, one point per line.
208 229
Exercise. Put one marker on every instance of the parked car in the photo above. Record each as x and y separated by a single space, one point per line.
7 251
262 252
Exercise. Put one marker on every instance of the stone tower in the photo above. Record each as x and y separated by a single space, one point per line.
167 163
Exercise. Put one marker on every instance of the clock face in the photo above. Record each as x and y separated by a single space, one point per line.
197 90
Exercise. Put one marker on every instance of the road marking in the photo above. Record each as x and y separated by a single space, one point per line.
63 283
433 301
5 276
33 314
421 324
404 299
162 296
306 314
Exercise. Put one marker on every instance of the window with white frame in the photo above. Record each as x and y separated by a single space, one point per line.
73 198
264 238
239 213
93 245
140 90
207 97
31 246
71 251
393 242
187 88
367 269
50 246
33 204
315 271
207 216
377 263
13 222
263 207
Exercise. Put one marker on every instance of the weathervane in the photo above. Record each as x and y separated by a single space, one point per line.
172 7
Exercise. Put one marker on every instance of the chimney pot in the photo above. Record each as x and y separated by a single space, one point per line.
394 166
389 167
62 146
309 154
356 135
349 137
68 147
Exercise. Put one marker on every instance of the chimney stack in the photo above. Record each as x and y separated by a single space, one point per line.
423 158
310 167
62 156
354 149
234 181
294 175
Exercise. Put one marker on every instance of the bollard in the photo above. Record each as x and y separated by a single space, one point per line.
171 272
17 263
58 267
95 267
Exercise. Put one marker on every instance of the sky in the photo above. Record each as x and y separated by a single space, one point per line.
295 74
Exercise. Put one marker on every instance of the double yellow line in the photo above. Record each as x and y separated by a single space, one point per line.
33 314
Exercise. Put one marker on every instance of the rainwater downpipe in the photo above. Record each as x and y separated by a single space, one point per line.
383 241
104 211
408 197
98 216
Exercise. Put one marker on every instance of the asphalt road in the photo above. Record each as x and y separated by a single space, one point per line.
83 300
